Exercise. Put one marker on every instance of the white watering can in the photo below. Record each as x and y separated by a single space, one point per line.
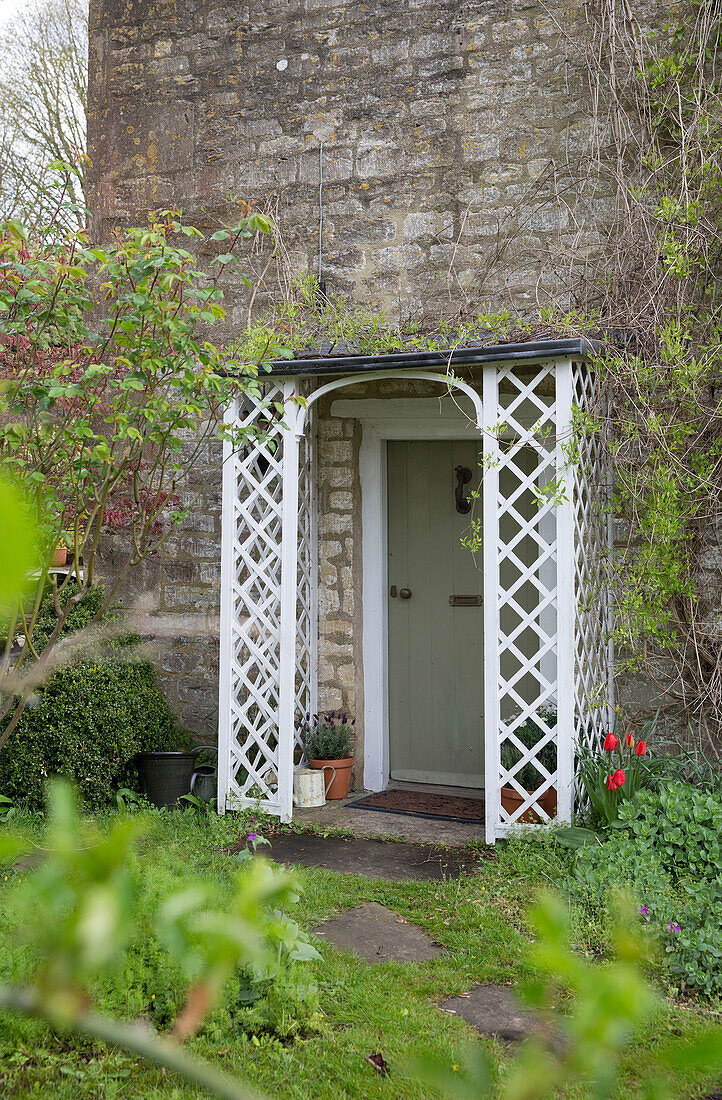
310 787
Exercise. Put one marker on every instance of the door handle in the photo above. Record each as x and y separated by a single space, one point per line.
405 593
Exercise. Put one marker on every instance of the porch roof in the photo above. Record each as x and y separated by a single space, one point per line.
578 347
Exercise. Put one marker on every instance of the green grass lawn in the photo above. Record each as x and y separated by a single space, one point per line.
387 1008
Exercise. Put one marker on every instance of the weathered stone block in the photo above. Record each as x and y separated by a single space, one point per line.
340 501
332 524
335 453
431 224
328 601
509 30
399 258
328 573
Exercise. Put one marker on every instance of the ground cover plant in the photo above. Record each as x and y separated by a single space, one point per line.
648 831
667 850
98 936
315 1044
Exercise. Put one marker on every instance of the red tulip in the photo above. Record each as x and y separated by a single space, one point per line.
618 777
640 749
630 741
610 742
611 785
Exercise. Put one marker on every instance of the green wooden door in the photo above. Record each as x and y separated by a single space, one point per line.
436 673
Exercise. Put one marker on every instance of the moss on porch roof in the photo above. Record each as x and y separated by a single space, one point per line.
304 363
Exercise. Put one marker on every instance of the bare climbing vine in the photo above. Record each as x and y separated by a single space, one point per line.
654 295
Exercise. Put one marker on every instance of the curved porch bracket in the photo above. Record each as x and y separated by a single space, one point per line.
427 376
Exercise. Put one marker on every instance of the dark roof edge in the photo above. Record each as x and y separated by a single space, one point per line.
358 364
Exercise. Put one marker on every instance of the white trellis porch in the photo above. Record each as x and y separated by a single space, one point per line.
545 628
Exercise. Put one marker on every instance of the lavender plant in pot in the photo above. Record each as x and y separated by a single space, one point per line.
328 741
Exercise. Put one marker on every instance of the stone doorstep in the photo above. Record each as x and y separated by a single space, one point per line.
337 814
377 935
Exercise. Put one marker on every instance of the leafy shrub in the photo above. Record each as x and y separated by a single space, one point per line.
88 720
602 870
328 736
530 733
79 617
682 825
667 850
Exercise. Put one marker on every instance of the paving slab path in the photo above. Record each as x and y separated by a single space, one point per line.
378 859
378 934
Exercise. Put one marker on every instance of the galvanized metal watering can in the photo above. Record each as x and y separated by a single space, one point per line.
203 782
310 786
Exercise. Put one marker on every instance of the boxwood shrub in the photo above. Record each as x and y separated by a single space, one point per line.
88 720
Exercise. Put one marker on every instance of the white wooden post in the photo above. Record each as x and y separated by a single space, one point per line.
312 443
228 566
289 594
490 523
566 609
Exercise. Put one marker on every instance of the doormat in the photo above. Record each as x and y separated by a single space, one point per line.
424 804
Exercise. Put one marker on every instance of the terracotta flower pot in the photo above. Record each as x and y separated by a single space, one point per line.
511 800
60 556
340 782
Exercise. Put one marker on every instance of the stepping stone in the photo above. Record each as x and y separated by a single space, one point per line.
384 859
378 935
493 1010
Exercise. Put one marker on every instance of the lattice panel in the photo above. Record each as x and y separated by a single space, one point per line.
593 684
250 680
525 528
306 621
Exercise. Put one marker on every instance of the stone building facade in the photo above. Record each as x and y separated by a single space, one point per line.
439 128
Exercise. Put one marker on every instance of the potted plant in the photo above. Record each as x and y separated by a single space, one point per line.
60 556
529 734
166 775
328 741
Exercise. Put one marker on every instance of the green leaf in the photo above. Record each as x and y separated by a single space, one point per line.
16 230
18 539
572 836
260 223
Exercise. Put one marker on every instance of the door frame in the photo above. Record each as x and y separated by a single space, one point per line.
381 420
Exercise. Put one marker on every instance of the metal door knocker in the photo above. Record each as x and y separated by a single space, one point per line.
463 477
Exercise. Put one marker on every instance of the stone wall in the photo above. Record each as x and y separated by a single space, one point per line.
441 124
174 597
339 600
